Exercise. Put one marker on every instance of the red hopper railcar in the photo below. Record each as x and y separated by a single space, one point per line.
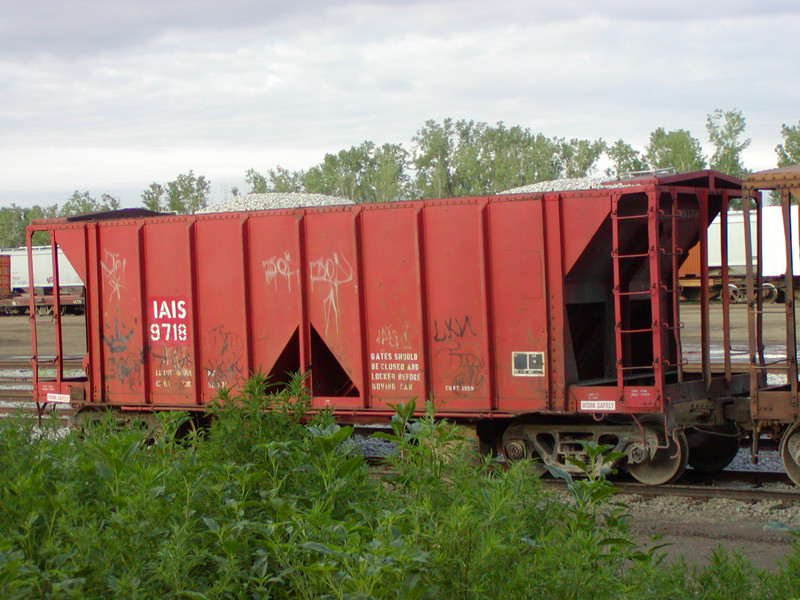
545 319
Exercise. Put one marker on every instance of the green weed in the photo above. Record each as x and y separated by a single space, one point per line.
270 501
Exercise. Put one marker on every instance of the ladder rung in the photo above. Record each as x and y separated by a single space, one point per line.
676 217
772 366
616 254
616 217
677 364
651 329
641 293
45 363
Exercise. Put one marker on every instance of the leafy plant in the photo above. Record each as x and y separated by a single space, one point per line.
269 500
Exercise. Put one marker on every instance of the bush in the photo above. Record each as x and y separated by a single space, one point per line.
269 502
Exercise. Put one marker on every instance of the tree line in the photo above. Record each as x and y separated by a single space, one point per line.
445 159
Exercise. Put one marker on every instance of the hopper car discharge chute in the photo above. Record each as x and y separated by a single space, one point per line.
542 320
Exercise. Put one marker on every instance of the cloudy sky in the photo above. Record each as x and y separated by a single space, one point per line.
109 96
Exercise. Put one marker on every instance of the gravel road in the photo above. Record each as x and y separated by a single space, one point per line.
695 528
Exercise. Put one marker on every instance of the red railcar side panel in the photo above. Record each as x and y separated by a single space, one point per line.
221 314
393 305
583 216
555 232
520 310
171 307
72 242
334 307
276 297
120 320
457 328
94 339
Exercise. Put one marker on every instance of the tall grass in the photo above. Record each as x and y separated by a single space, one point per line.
262 504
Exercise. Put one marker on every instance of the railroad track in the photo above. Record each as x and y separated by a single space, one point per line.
16 383
25 363
734 485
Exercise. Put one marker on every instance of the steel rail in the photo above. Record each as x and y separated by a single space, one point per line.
716 486
25 363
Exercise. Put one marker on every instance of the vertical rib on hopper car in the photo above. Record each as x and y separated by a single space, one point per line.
554 312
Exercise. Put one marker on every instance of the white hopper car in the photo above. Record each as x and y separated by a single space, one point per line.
773 255
16 299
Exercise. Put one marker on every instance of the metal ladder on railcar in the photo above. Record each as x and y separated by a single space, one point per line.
663 296
55 363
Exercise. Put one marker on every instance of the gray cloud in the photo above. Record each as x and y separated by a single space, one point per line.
116 94
78 27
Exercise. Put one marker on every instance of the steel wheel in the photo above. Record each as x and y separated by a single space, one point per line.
712 451
769 293
734 293
516 449
789 451
665 465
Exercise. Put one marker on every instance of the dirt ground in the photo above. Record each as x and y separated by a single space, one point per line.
695 528
15 336
774 329
690 528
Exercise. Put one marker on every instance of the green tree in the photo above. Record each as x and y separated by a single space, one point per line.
187 194
284 180
468 158
339 174
256 182
433 153
387 178
471 157
84 204
725 129
516 157
789 151
278 179
677 149
35 212
624 159
363 173
577 158
14 219
12 226
153 197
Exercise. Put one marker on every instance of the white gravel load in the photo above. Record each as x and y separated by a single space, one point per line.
560 185
273 200
583 183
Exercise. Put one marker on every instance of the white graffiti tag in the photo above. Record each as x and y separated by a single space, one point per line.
280 268
333 272
113 273
389 337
